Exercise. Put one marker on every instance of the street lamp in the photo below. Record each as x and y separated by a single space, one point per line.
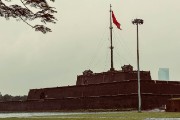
138 22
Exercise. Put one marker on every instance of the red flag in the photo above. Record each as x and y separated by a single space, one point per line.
115 21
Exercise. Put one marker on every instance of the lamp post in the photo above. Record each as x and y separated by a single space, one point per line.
138 22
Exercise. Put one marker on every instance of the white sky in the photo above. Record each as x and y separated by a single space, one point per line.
80 41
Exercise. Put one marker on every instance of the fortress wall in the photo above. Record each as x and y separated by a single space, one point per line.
86 90
120 102
160 87
124 87
12 106
106 102
109 77
118 95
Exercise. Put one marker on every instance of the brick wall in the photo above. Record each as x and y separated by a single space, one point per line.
123 87
120 102
117 95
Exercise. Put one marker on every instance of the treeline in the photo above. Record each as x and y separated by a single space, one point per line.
6 97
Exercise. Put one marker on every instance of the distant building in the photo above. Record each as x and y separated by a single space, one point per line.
163 74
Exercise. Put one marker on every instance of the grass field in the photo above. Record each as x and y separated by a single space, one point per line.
105 116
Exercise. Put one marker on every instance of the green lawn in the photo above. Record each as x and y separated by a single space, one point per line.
105 116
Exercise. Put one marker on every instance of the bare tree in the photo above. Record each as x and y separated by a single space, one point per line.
44 13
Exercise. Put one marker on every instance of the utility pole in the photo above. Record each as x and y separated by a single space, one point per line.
138 22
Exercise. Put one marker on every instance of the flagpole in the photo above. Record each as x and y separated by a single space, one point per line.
111 47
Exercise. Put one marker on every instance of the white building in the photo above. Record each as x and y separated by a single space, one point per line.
163 74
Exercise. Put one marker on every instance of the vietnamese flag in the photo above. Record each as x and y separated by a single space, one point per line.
115 21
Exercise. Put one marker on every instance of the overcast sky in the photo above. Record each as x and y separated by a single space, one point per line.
80 41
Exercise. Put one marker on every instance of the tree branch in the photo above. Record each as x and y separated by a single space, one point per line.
45 13
26 22
26 6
